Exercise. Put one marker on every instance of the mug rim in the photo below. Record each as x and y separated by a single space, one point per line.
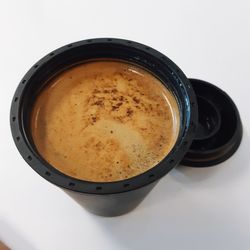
155 62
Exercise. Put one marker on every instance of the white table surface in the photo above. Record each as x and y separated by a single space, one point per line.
189 208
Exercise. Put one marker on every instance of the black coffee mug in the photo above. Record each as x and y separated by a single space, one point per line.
110 198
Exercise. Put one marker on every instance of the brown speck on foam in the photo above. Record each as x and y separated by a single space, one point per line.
99 103
114 108
98 145
114 90
96 91
119 118
136 100
94 119
129 112
111 131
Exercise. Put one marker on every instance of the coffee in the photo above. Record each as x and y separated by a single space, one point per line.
104 121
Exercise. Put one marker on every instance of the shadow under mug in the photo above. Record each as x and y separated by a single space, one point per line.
110 198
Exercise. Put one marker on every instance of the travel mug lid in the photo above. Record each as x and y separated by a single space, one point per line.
219 129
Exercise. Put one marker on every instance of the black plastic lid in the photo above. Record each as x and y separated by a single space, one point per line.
219 129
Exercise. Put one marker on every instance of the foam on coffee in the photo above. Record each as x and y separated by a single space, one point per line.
104 121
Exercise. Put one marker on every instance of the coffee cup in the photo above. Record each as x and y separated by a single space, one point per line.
105 119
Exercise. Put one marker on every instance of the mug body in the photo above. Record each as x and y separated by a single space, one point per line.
103 198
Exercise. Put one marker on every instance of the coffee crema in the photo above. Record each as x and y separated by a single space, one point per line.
104 121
